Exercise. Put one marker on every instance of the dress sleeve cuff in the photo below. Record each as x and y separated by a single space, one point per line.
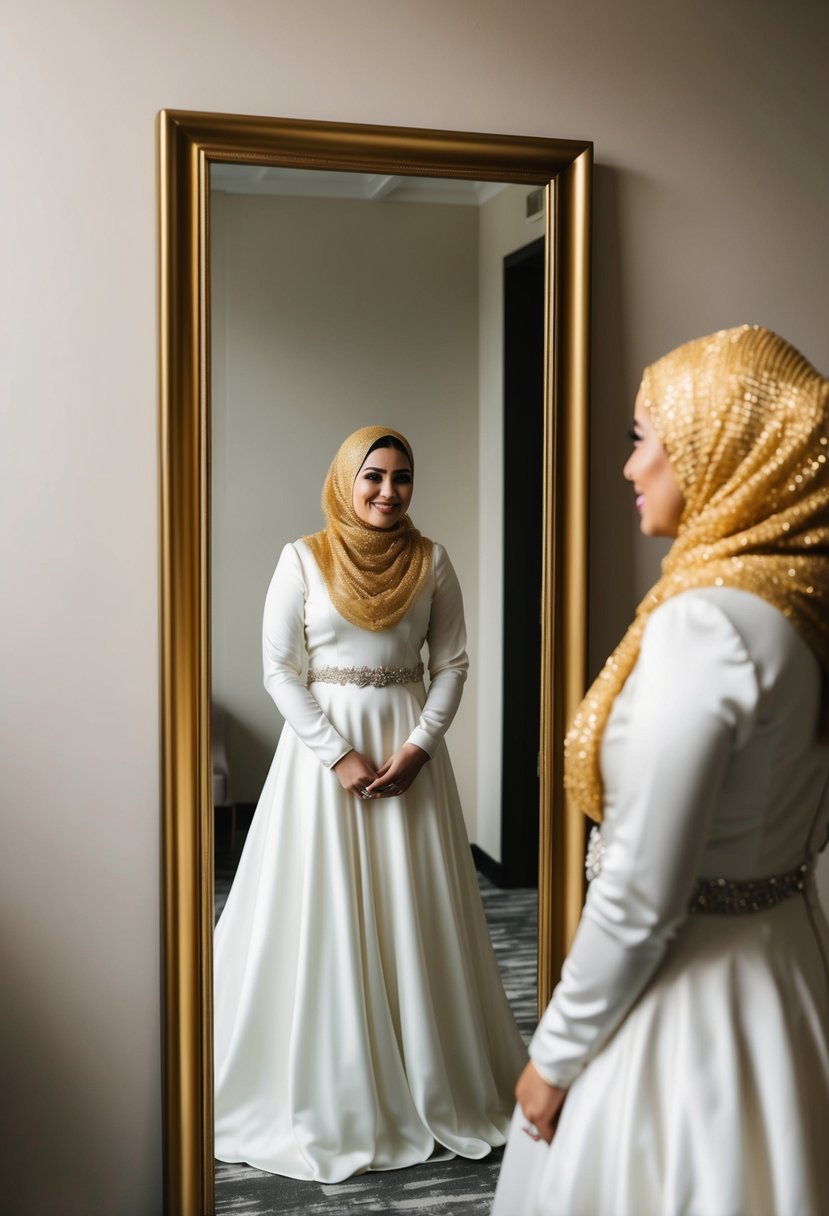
547 1076
345 750
422 739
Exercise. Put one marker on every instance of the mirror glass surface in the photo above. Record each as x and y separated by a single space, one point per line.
340 300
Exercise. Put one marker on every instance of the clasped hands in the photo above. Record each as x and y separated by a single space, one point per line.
394 776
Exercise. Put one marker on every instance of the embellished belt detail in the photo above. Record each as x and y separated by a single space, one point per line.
365 677
733 897
720 896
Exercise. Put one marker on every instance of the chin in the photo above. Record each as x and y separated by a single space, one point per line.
657 531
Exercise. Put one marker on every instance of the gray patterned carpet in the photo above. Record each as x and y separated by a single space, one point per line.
439 1188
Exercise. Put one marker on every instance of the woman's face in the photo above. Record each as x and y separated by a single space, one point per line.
659 500
383 488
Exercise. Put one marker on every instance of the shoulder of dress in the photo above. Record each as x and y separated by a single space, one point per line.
730 623
770 637
294 561
300 551
741 606
289 555
692 647
705 604
694 618
753 618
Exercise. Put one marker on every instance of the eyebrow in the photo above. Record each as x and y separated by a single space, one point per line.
374 468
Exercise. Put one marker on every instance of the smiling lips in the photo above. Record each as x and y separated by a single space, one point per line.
385 507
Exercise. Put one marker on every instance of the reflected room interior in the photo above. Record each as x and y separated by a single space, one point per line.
340 300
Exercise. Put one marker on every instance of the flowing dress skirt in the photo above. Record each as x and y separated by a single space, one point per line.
360 1021
712 1097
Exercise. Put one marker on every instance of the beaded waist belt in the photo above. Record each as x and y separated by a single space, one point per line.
365 677
732 897
721 896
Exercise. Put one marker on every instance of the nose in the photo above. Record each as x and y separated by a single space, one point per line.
627 471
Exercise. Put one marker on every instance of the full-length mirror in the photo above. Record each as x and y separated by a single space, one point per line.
315 279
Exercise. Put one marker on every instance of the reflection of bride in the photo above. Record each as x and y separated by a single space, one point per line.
360 1022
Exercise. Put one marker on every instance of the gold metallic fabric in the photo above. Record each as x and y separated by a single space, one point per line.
372 574
743 417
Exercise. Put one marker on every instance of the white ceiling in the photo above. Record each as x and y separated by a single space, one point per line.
371 187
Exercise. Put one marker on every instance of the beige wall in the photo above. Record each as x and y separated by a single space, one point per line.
711 123
329 315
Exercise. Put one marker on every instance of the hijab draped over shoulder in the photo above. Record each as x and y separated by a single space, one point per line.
743 418
372 574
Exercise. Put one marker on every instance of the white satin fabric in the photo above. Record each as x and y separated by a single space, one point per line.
696 1049
360 1022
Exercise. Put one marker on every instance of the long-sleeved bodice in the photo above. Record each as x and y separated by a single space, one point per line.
711 769
302 627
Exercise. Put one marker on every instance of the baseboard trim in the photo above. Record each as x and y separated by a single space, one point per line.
489 867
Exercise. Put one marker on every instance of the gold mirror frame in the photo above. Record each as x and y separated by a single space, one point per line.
188 143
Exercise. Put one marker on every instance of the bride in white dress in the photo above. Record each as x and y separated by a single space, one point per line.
360 1022
682 1066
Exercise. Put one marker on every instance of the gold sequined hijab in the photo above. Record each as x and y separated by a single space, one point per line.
743 418
372 574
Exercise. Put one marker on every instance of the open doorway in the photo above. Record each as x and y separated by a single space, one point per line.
523 467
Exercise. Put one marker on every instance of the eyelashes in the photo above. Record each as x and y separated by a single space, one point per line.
633 435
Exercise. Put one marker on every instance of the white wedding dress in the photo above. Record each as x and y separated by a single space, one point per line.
360 1022
696 1047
